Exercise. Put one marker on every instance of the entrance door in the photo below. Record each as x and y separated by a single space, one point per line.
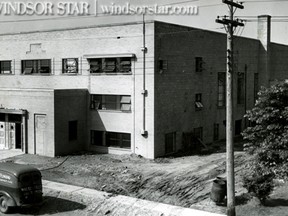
40 130
2 135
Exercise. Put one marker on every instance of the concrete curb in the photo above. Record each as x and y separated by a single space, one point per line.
109 204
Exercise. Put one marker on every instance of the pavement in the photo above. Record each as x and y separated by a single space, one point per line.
110 204
4 154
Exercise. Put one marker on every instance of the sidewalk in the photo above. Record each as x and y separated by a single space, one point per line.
103 203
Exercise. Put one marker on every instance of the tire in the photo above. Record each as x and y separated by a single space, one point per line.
4 208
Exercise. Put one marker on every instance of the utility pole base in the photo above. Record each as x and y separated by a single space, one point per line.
231 212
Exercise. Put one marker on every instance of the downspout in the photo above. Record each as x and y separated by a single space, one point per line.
144 132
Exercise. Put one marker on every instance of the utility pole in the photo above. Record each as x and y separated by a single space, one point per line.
231 25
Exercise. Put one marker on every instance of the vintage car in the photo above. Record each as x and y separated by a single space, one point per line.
20 185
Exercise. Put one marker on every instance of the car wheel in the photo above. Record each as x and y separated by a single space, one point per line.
4 208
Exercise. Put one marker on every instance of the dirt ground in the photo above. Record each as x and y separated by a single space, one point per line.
182 181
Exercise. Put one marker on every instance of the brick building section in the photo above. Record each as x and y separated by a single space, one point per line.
181 79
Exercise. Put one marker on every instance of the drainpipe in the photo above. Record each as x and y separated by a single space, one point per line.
144 132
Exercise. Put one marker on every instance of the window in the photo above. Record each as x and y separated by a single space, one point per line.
36 66
238 127
198 64
72 130
111 139
256 86
5 67
198 133
198 102
70 66
111 102
162 65
110 65
216 132
119 140
240 89
170 142
97 138
221 100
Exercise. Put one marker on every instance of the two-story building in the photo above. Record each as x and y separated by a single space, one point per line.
125 89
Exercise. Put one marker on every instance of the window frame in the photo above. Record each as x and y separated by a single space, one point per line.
221 101
198 102
241 88
170 139
36 63
198 64
73 130
122 103
119 66
65 66
3 67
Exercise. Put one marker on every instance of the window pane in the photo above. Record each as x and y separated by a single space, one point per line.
70 65
95 65
126 99
125 64
110 65
110 102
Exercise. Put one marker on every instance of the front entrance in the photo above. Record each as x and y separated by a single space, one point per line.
11 129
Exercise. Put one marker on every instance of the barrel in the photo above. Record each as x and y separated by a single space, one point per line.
218 191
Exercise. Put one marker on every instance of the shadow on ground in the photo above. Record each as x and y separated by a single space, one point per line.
276 202
50 205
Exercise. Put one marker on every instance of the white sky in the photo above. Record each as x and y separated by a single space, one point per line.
208 12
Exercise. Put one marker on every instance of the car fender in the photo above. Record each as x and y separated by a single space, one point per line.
11 201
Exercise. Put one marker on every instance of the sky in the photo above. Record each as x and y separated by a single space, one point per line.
208 10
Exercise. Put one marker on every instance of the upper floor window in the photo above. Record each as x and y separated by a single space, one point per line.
5 67
198 64
162 65
111 102
41 66
70 66
241 88
221 99
198 102
110 65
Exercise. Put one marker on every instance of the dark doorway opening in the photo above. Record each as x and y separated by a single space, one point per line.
18 136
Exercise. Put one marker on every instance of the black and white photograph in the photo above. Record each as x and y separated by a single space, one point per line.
144 107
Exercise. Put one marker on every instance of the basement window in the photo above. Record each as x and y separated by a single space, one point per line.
42 66
5 67
118 140
70 66
111 102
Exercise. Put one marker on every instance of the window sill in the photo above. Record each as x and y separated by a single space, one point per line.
36 74
114 111
6 74
70 74
107 74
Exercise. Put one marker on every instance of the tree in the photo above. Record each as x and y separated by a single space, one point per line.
267 139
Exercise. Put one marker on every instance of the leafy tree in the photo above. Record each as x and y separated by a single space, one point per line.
267 138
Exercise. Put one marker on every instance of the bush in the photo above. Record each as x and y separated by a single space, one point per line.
259 184
267 141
